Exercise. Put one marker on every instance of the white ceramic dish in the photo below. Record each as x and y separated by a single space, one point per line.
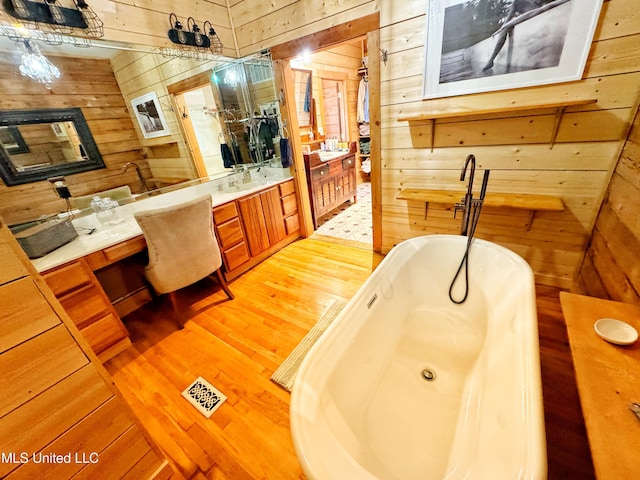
616 331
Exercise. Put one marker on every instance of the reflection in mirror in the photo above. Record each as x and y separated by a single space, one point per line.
249 110
12 140
38 144
303 92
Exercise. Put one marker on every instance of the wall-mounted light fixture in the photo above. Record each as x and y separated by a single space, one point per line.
192 38
56 17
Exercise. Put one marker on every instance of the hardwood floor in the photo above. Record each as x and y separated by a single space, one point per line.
236 345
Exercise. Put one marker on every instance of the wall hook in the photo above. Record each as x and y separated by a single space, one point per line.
384 56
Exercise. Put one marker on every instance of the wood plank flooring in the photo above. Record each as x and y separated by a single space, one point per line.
236 345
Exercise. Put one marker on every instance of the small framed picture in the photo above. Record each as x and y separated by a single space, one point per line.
150 117
58 129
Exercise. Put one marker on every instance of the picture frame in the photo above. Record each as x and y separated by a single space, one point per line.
150 117
488 45
58 129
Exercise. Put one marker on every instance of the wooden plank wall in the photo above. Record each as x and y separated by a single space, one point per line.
146 22
611 268
90 85
515 146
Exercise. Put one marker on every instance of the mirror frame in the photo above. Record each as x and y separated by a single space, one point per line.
15 118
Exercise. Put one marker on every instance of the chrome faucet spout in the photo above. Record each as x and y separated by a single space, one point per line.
468 198
470 158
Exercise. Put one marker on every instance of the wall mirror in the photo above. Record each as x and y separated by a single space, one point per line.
39 144
249 110
303 90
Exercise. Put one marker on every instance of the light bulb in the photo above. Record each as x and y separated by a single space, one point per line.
182 37
56 13
197 36
20 8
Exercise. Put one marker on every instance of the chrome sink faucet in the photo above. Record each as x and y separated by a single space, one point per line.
140 177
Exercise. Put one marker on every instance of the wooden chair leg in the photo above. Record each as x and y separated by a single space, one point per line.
175 310
224 285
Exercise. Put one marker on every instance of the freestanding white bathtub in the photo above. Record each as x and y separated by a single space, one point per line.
407 385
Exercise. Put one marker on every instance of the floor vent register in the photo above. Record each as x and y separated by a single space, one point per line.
204 396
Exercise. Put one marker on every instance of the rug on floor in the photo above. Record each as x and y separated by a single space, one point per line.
285 375
350 221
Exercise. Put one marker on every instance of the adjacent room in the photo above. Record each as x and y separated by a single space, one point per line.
364 239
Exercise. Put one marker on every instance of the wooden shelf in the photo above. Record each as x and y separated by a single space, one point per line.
532 202
559 106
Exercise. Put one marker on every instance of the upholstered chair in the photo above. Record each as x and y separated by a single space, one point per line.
182 247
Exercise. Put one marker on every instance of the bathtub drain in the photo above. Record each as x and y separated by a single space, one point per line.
428 375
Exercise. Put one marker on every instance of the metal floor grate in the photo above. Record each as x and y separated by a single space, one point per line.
204 396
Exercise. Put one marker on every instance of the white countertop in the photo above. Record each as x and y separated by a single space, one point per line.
326 156
107 235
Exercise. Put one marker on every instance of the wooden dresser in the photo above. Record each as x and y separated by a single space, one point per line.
331 182
60 415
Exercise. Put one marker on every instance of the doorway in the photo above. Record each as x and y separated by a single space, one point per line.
324 43
336 73
198 113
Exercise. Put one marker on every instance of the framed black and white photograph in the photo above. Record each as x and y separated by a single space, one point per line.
150 117
475 46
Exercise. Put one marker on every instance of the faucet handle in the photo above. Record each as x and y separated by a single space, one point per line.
459 207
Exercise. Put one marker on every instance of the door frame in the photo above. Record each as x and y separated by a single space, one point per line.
176 90
368 26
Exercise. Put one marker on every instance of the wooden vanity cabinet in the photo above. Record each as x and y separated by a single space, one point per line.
255 226
330 183
55 396
231 238
86 303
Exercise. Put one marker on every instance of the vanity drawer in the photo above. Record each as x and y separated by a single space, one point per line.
85 304
292 224
234 257
287 188
125 249
224 213
104 332
321 172
289 204
67 277
230 233
114 253
348 163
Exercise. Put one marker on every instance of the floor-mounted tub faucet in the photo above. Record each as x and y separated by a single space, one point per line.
470 208
142 179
